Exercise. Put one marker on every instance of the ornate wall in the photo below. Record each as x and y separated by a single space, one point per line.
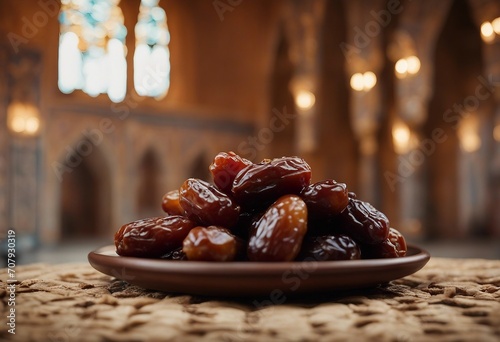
3 143
235 70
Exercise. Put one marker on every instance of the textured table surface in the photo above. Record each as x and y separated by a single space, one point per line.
448 300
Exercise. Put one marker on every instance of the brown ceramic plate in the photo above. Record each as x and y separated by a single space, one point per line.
255 278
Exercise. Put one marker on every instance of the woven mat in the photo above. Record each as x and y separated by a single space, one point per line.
448 300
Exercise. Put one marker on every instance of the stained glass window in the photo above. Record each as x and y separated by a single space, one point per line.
92 48
151 57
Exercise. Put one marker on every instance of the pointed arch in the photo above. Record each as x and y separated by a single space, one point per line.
85 193
454 82
199 167
149 191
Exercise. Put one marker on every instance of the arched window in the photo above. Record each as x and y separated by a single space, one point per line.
152 57
92 48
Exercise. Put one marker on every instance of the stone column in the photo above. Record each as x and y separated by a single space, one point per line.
480 199
364 61
304 20
412 50
365 117
495 175
4 156
24 173
490 178
23 81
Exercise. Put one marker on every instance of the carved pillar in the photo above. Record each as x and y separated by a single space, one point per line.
412 50
4 157
304 21
23 79
364 61
482 197
490 179
495 174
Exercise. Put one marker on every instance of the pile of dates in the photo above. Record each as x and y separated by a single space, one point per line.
268 211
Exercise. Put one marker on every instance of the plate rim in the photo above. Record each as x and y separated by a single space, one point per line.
235 268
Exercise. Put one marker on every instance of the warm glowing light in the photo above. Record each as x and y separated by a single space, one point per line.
468 134
401 66
357 81
23 118
496 133
369 80
401 137
413 64
305 99
496 25
18 124
365 81
409 65
487 31
470 143
31 125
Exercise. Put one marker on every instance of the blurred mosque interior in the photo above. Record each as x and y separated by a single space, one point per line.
107 104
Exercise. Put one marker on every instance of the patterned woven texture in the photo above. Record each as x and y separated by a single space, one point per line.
448 300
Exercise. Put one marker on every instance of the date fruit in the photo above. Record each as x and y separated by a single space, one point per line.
152 237
206 205
361 221
325 199
392 247
267 211
170 203
224 169
211 244
267 181
278 235
330 247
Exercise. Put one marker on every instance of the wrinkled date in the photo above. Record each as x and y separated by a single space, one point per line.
170 203
206 205
392 247
262 183
224 169
211 244
361 221
278 235
325 199
262 212
152 237
330 247
398 241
